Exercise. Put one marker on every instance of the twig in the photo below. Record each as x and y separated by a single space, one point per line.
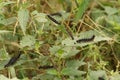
15 28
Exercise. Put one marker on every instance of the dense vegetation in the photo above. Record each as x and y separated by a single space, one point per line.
59 39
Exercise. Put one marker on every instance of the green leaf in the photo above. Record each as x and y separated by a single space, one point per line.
3 54
115 77
114 20
72 72
10 21
2 4
40 17
63 52
110 10
27 41
74 64
23 16
57 51
82 7
45 77
69 52
2 77
8 36
94 75
96 13
52 72
2 19
54 49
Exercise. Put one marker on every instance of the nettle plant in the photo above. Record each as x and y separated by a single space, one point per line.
50 46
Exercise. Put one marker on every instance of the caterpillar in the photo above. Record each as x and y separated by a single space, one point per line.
45 67
52 19
86 39
55 21
56 14
101 78
13 60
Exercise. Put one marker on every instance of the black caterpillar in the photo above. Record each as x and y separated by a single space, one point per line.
13 60
52 19
86 39
100 78
56 14
45 67
55 21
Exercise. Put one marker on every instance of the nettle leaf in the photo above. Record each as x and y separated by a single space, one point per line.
86 35
3 54
5 35
114 21
51 71
23 16
115 77
63 52
72 72
10 20
2 19
7 21
27 40
8 36
74 64
110 10
40 17
95 75
57 51
54 49
69 52
2 4
2 77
